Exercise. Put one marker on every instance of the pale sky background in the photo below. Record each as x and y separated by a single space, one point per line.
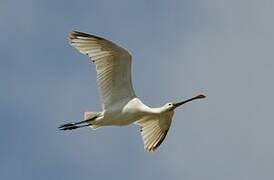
223 48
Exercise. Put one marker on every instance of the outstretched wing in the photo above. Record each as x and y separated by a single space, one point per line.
154 130
113 66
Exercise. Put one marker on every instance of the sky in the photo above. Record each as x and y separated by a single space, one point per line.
222 48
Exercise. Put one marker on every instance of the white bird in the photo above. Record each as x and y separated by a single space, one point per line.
120 105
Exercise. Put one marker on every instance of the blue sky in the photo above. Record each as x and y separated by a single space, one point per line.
180 48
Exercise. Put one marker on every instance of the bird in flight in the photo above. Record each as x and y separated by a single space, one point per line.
120 105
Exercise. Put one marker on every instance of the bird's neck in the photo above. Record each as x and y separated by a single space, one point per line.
148 110
158 110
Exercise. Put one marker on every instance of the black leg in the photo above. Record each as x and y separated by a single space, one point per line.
71 126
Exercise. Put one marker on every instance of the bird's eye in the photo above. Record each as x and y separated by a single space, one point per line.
169 104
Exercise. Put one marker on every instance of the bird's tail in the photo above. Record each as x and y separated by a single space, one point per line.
90 117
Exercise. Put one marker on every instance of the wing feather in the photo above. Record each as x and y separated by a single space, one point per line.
113 67
154 130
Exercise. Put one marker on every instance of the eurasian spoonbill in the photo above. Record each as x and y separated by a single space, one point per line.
120 105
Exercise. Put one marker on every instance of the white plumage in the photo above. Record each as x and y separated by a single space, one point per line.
119 103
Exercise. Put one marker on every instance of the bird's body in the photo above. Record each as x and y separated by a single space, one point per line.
120 105
126 113
123 113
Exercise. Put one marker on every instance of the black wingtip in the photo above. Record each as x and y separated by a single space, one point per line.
75 34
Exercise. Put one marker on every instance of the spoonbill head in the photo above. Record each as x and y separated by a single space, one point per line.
170 106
